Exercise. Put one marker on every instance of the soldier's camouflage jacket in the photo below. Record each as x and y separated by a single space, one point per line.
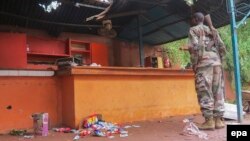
205 50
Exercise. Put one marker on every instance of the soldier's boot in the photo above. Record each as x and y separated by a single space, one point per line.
209 124
219 123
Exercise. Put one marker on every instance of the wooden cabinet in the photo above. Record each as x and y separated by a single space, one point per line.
81 50
21 51
45 51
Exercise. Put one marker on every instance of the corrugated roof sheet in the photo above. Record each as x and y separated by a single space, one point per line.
163 21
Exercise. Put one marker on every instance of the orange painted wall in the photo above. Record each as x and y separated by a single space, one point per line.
128 98
28 95
68 102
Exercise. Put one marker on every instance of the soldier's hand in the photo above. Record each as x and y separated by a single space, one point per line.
214 32
184 47
194 68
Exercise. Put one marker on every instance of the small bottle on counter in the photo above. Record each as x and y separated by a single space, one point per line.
28 47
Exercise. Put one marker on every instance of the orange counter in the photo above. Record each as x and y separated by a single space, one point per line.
126 94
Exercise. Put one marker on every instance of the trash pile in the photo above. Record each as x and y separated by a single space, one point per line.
22 133
95 126
91 125
191 129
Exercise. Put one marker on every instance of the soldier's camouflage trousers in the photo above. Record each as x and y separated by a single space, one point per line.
209 85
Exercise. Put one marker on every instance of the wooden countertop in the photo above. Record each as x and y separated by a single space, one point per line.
125 71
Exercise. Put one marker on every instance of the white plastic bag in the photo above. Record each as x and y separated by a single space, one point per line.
191 129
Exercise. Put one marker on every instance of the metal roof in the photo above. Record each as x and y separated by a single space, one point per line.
161 20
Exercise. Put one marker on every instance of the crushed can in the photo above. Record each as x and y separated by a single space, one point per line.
41 124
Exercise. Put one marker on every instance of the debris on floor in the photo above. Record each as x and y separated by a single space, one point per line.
191 129
90 120
22 133
41 123
136 126
18 132
231 111
130 126
65 130
127 126
101 128
29 136
150 130
77 137
94 125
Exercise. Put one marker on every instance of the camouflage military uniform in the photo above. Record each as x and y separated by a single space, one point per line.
206 53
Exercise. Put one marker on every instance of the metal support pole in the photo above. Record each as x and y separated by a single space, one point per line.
141 47
243 20
236 61
89 6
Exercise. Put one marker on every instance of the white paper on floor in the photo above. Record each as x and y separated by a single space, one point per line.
191 129
231 111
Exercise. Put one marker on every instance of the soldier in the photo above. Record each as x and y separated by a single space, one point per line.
206 54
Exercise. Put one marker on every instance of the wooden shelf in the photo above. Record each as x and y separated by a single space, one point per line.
82 48
79 51
78 42
47 54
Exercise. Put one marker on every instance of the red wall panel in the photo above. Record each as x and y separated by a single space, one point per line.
13 50
100 54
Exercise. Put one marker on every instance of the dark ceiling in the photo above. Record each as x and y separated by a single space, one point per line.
161 20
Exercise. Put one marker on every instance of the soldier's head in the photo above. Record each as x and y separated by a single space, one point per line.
197 18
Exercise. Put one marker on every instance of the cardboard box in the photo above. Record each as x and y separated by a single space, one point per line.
41 123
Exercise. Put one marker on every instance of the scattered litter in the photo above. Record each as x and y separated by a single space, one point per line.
77 137
91 120
85 132
96 126
123 132
111 137
123 135
18 132
191 129
74 131
21 133
99 133
29 136
64 130
127 126
136 126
